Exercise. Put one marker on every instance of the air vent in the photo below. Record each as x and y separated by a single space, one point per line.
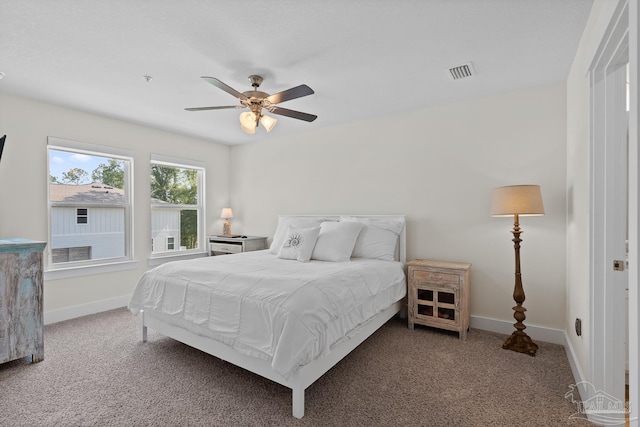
461 71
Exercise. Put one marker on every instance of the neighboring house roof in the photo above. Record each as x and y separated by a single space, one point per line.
157 202
86 194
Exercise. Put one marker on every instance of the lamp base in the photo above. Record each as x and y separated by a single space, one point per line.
520 342
226 229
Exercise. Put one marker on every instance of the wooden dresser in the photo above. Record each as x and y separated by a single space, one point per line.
21 297
439 295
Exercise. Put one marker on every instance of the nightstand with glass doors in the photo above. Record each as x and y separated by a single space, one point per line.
439 295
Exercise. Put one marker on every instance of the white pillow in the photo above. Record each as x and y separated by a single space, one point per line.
336 241
284 222
299 243
378 239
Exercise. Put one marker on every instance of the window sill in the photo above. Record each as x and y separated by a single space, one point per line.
87 270
157 260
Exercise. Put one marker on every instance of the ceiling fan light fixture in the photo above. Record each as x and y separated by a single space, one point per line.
248 119
268 122
249 130
248 122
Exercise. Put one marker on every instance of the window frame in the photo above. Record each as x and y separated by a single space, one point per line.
84 216
79 268
200 208
171 241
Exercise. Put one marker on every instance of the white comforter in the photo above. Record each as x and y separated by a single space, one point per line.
283 311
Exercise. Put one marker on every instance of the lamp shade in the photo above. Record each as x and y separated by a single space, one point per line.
525 200
249 130
226 213
248 119
268 122
248 122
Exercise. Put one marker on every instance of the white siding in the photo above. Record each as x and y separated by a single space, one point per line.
104 230
165 223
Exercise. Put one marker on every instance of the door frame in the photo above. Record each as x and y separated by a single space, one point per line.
634 214
618 45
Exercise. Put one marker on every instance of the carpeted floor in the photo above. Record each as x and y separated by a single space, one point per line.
97 373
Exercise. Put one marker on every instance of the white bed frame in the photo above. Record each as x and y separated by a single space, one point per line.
305 375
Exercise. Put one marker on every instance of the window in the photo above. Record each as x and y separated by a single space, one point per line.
177 206
81 216
88 181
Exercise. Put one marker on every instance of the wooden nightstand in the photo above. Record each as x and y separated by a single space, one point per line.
220 245
439 295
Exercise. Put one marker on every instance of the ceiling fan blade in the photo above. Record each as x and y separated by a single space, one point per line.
293 93
294 114
213 108
217 83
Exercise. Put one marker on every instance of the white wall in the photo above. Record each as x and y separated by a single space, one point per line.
437 166
24 180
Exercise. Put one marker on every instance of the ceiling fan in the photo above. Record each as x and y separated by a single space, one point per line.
256 101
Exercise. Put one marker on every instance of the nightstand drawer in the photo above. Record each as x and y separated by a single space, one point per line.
435 278
225 247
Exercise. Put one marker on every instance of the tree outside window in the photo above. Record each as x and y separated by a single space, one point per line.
176 206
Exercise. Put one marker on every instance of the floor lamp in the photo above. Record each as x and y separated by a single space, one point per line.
516 201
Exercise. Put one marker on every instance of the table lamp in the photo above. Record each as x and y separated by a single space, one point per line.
226 214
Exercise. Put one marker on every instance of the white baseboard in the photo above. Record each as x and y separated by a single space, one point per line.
540 333
54 316
578 375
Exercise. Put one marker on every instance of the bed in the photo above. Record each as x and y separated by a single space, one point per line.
288 313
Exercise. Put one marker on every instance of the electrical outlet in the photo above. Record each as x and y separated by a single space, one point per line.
578 327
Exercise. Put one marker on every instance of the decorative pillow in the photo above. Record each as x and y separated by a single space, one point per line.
284 222
298 243
336 241
378 239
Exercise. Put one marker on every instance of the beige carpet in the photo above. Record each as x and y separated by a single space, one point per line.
97 373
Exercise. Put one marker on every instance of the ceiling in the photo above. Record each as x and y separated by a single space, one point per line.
363 58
